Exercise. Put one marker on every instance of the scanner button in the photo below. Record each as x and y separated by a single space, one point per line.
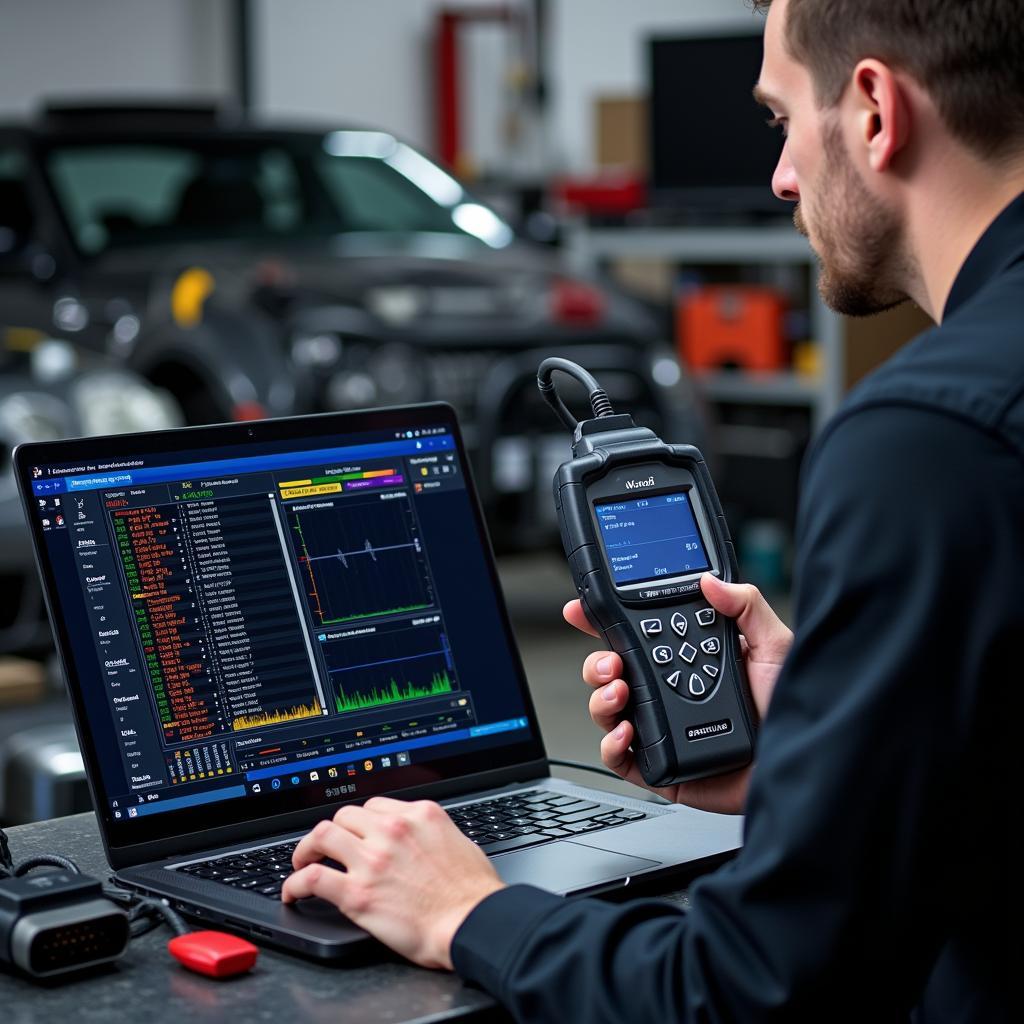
673 678
688 652
711 646
650 627
649 723
585 561
711 670
679 624
621 637
639 693
662 655
706 616
696 689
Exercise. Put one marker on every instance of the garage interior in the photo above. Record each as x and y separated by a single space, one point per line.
567 131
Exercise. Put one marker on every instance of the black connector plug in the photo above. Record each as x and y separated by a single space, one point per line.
55 922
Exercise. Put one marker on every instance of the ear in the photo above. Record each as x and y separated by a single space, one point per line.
882 112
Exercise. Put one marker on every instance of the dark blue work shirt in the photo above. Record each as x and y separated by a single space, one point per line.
879 878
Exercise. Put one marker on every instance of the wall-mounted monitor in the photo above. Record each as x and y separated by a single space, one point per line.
711 151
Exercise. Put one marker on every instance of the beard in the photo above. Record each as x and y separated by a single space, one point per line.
859 243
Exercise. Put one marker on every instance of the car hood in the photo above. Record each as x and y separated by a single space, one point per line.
403 283
347 263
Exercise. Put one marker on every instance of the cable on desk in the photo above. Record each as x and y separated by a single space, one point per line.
145 913
583 767
52 860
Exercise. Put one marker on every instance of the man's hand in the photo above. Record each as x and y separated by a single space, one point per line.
412 877
765 641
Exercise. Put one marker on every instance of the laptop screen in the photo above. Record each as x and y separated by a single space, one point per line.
279 624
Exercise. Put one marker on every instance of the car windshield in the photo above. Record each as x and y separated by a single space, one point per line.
159 191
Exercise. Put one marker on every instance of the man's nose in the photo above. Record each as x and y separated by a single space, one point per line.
784 183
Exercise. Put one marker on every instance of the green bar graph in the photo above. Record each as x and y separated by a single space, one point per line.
393 694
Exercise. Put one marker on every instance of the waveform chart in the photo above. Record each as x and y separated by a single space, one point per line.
360 560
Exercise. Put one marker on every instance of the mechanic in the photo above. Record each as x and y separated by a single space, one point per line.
880 867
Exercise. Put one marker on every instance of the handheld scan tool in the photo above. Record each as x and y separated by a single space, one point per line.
640 523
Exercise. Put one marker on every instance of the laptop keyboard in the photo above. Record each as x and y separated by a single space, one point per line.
504 823
539 816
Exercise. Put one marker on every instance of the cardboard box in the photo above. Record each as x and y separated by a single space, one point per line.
621 133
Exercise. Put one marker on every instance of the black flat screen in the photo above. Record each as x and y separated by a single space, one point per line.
710 146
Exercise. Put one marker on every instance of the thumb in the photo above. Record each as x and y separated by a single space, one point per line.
767 635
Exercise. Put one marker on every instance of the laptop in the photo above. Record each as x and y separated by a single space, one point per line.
260 622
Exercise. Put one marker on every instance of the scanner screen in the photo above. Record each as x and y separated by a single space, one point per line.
651 538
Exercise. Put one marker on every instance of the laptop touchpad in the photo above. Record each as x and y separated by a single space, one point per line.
563 867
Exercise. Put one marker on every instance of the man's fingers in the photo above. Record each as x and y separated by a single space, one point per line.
615 752
386 805
315 880
573 614
766 633
606 704
601 667
354 819
326 841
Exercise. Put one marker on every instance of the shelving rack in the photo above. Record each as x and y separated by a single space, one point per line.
587 247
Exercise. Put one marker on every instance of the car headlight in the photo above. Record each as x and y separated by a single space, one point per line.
351 391
33 416
111 402
316 351
391 374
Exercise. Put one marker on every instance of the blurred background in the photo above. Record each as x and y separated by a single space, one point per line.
221 210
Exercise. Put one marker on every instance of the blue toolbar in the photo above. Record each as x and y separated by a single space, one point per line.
248 464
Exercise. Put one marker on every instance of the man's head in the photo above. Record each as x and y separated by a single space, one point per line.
864 89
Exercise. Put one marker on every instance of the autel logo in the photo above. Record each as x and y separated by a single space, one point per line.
649 482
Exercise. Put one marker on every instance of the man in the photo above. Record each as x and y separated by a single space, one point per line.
880 862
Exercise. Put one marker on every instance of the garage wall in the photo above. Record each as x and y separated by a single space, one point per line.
338 59
112 48
365 62
317 56
598 48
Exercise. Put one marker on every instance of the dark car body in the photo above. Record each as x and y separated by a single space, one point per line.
253 271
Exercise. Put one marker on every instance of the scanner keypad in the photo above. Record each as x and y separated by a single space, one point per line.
699 682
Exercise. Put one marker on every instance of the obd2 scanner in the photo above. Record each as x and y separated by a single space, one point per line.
641 522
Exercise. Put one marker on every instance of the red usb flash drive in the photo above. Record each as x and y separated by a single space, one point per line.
215 954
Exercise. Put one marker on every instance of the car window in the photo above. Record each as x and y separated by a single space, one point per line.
211 188
16 216
372 196
111 191
128 194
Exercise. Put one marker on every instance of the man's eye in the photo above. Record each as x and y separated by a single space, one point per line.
779 122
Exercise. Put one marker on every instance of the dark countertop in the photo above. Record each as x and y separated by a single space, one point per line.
147 984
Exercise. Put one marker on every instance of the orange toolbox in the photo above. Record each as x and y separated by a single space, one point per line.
725 326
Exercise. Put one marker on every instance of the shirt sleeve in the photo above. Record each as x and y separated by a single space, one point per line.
860 810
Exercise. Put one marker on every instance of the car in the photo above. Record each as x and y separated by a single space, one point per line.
252 270
51 389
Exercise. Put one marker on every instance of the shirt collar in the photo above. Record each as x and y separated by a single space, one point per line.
1001 245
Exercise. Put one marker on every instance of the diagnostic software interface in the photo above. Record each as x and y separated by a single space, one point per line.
255 623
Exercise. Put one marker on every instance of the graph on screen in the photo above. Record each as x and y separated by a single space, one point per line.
360 560
390 667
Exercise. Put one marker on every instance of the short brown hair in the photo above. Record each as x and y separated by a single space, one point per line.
968 54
